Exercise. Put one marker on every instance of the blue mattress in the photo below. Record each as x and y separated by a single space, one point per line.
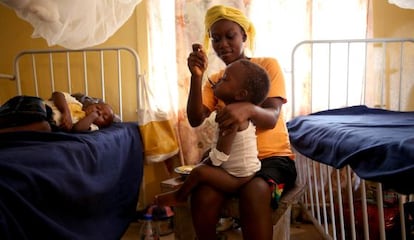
69 185
377 144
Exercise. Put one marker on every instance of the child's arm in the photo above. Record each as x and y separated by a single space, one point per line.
60 102
221 152
225 141
83 124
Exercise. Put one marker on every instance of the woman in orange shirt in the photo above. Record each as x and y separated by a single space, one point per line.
228 30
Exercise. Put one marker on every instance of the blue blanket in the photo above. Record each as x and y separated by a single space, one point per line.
69 186
377 144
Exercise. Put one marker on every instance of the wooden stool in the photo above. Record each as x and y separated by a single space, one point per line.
183 225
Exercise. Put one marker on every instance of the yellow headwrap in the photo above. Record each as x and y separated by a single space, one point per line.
219 12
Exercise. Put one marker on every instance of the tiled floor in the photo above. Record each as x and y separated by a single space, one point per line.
299 231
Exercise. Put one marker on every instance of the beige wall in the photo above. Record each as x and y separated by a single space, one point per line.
392 21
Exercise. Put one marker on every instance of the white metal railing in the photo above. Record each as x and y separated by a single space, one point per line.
49 67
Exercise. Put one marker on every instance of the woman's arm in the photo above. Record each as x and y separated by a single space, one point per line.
196 111
197 64
264 116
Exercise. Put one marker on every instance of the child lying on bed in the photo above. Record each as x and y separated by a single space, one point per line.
233 160
71 113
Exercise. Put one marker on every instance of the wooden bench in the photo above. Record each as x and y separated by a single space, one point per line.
281 217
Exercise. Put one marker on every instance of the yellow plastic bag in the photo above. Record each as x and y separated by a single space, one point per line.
158 134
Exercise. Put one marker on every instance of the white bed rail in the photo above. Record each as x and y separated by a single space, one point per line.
109 73
329 74
373 72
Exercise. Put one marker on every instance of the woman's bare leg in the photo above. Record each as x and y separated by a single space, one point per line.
206 204
255 210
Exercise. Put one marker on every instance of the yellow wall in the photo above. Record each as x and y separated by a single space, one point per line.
391 21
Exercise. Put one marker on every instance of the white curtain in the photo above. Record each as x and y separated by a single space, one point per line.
162 69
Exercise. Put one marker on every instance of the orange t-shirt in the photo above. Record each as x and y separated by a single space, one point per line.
270 142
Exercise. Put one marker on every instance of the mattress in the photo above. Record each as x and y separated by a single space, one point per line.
69 185
377 144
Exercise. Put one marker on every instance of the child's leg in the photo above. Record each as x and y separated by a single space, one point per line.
215 177
24 113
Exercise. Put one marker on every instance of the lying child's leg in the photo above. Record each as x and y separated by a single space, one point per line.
42 126
24 113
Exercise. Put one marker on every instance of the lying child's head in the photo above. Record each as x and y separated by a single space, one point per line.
243 80
105 114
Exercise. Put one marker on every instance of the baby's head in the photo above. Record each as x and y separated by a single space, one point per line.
105 114
243 80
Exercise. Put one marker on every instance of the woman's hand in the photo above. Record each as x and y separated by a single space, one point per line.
197 61
264 116
234 114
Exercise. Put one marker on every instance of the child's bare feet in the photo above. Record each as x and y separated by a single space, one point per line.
169 199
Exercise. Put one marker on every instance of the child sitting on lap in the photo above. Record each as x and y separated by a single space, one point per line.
233 159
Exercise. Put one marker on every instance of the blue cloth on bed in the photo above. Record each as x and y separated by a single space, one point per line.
69 185
377 144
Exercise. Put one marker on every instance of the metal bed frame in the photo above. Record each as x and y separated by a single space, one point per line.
330 192
40 72
45 71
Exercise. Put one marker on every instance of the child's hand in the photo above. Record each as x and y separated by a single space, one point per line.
93 115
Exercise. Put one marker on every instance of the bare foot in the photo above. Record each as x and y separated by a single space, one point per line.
169 199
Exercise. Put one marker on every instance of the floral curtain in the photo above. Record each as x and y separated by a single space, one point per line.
280 24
